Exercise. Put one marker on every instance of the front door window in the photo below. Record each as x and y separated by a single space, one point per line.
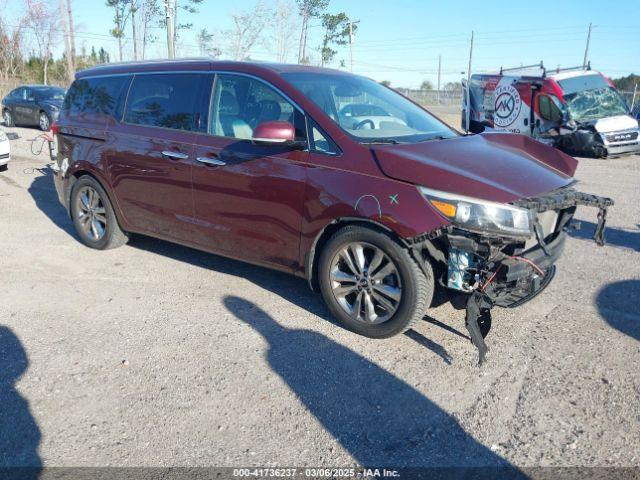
241 103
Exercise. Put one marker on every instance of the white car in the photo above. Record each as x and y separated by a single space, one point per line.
5 151
365 116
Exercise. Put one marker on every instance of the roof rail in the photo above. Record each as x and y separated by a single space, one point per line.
523 67
580 67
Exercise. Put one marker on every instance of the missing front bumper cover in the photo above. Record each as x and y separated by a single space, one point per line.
507 272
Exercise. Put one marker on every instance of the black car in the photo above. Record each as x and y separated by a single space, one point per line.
33 105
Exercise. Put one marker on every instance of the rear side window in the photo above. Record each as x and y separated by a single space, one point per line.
98 95
169 100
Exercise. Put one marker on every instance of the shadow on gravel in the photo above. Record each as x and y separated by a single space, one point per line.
296 291
293 289
618 305
19 432
378 418
613 236
43 192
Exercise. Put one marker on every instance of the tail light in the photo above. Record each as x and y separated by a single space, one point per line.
54 129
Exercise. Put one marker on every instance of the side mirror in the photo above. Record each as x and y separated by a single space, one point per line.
276 133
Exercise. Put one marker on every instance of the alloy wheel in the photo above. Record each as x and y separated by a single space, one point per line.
365 282
44 122
7 118
91 213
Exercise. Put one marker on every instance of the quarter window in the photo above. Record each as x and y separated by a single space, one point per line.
168 101
94 95
241 103
320 142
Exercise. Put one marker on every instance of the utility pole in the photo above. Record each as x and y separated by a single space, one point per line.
133 8
169 13
302 47
62 4
586 49
439 68
72 36
352 40
468 109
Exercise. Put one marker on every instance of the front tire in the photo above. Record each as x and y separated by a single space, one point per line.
371 284
93 216
8 118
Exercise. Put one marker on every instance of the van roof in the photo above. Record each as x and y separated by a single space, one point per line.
572 74
195 64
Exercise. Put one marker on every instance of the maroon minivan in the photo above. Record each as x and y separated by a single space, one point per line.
319 173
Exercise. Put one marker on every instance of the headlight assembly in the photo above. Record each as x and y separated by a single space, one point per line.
3 136
479 215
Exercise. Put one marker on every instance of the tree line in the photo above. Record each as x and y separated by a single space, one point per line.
29 42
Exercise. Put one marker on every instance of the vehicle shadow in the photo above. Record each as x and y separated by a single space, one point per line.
44 194
19 432
378 418
292 289
613 236
618 304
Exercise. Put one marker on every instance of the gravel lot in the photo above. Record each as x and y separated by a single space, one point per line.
158 355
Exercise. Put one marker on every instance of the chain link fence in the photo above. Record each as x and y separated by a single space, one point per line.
433 97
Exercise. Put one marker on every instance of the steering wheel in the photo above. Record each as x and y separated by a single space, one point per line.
361 125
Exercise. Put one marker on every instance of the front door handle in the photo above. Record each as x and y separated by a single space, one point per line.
175 155
211 161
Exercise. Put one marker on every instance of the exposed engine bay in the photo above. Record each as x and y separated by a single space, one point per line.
490 270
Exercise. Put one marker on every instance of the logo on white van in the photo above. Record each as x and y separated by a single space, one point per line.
507 105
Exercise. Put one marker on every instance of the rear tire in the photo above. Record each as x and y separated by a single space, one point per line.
44 122
356 260
93 215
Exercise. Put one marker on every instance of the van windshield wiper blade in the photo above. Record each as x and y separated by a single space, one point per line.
392 141
437 137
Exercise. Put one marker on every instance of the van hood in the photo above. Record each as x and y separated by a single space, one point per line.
499 167
617 123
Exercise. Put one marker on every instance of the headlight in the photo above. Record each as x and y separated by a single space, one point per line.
3 136
479 215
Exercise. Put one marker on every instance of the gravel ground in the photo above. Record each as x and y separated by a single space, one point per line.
155 355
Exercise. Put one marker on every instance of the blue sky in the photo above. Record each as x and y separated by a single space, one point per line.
400 40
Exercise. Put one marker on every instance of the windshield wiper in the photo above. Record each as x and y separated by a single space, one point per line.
391 141
437 137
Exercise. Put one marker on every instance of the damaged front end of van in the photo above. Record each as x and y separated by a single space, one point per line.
508 202
501 254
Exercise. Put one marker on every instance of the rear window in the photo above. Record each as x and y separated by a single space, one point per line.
169 100
95 95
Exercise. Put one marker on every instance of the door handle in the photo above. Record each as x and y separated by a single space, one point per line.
175 155
211 161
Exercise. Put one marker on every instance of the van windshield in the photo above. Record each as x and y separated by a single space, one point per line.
368 111
590 97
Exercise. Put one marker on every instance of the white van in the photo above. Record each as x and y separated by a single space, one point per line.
577 110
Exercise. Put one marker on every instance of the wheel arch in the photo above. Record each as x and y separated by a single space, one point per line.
312 256
81 172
